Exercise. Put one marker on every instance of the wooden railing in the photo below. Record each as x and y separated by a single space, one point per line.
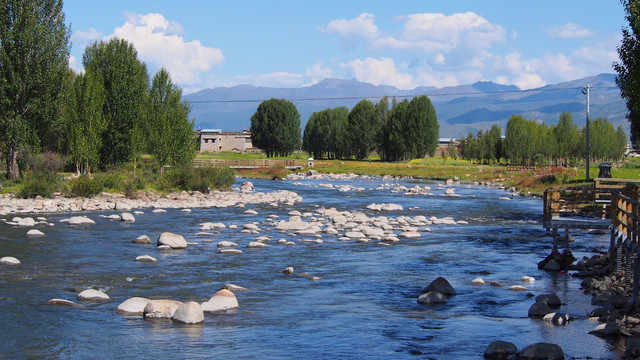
249 163
625 235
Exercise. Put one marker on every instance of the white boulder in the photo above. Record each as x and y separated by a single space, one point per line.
189 313
132 306
93 295
174 241
223 300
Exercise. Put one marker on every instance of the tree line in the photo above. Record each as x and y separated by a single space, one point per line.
404 130
528 142
110 114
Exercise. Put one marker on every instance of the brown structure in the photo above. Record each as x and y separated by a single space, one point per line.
216 140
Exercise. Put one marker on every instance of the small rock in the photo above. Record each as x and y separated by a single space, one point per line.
174 241
93 295
223 300
527 279
433 297
132 306
189 313
80 220
500 350
227 244
146 258
541 351
539 309
288 270
234 288
127 217
142 239
229 251
557 318
160 309
35 232
257 245
440 285
61 302
9 260
517 288
477 281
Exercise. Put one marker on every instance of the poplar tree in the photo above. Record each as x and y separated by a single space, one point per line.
34 50
275 127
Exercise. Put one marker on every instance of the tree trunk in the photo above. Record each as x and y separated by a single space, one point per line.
13 172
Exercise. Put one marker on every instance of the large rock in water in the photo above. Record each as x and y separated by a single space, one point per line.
223 300
540 351
551 299
189 313
432 297
9 260
172 240
132 306
440 285
500 350
162 309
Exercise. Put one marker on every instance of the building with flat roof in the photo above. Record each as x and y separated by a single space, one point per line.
216 140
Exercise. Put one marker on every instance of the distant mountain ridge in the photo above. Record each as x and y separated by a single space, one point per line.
460 109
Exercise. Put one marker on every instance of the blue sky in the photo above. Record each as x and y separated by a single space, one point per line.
406 43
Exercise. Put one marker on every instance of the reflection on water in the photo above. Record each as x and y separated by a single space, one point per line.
364 306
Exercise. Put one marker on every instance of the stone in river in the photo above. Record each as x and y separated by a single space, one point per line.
35 232
500 350
93 295
80 220
146 258
172 240
132 306
9 260
440 285
551 299
223 300
61 302
539 309
189 313
433 297
142 239
541 351
226 244
127 217
160 308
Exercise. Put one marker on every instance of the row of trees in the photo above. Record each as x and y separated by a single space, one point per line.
406 130
107 115
528 142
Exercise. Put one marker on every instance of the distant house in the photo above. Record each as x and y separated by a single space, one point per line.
445 147
216 140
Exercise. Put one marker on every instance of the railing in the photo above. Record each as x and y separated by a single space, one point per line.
625 234
249 164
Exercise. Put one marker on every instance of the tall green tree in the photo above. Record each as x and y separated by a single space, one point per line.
85 122
339 147
566 135
515 140
170 129
628 68
275 127
126 85
34 50
315 138
363 126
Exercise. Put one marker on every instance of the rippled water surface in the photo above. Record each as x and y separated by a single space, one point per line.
364 306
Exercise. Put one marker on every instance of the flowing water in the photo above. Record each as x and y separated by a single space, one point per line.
364 306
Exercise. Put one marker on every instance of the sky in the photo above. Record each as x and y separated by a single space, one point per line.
406 43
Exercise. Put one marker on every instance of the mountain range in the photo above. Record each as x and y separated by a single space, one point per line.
460 109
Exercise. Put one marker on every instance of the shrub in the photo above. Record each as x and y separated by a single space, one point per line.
131 186
85 186
197 179
110 180
38 184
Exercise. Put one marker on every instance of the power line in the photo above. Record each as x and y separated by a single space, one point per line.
435 94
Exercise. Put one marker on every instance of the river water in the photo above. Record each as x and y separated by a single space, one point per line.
363 306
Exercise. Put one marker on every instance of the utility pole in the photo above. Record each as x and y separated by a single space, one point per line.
586 92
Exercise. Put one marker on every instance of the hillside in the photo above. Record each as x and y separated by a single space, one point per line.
460 108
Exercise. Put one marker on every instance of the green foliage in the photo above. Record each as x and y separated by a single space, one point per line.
628 68
275 127
85 186
362 128
197 179
38 184
33 63
111 180
172 138
606 143
85 122
486 148
126 86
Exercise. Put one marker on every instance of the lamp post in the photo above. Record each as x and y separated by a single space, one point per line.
586 92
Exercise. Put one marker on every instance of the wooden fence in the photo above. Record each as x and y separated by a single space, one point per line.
624 235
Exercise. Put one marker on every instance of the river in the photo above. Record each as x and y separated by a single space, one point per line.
363 306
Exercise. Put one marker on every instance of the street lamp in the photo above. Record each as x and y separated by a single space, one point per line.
586 92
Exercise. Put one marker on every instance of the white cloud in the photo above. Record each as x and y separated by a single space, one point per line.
350 31
569 31
74 65
158 42
85 37
317 72
379 72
